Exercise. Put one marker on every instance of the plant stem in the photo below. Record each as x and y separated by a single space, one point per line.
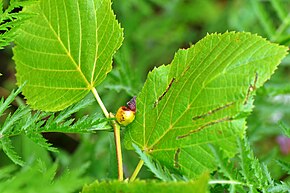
137 170
118 149
225 182
117 137
99 100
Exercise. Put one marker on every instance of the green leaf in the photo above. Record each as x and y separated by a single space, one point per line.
156 169
10 152
32 124
41 141
10 21
6 171
65 50
41 178
264 17
283 187
253 173
201 98
10 121
198 186
284 165
5 104
285 129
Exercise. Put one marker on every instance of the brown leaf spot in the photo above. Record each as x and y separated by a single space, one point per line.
251 88
204 126
176 157
163 94
213 111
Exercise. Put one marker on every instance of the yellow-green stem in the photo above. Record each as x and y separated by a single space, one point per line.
99 100
137 170
116 128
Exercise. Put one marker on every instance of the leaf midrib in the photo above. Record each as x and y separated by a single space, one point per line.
89 86
152 145
171 125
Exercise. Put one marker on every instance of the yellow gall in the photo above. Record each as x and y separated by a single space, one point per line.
125 116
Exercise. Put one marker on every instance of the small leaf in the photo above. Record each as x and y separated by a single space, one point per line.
6 172
198 186
6 104
41 141
285 165
10 152
41 178
65 50
285 129
201 98
252 171
13 120
155 168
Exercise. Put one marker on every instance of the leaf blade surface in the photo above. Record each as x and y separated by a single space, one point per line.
201 98
65 50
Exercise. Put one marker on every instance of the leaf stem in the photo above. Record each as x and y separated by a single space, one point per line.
225 182
117 137
99 100
116 127
137 170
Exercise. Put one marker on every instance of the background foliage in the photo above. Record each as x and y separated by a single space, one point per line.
154 30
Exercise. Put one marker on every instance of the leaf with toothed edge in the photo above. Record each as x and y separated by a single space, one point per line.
65 50
199 185
203 97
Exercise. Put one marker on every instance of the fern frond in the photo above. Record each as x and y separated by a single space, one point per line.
279 8
285 129
228 171
9 151
251 169
9 21
281 188
122 78
25 122
249 175
6 172
5 104
13 119
73 109
225 166
264 17
155 167
38 139
284 165
40 178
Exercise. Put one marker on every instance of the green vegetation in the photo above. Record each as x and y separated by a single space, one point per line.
208 120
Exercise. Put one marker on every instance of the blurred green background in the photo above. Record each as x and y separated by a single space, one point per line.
154 30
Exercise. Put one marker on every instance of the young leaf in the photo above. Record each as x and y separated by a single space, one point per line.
201 98
65 50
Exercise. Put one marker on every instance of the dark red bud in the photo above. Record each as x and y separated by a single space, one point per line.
132 104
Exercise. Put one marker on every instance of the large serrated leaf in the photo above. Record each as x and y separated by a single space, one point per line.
65 50
198 186
201 98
